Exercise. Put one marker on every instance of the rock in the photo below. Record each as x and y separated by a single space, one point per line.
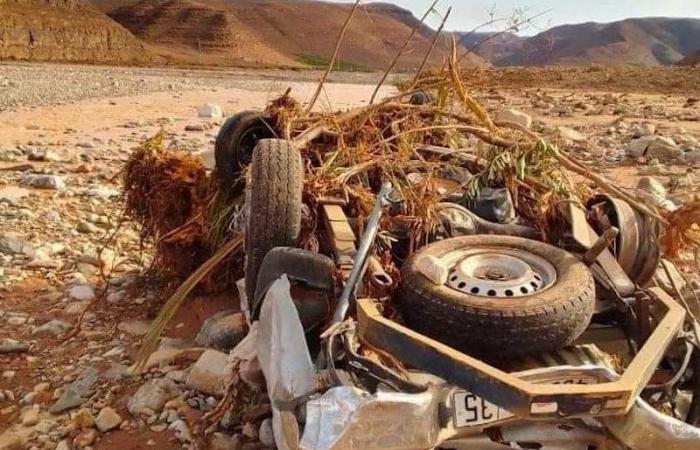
210 111
83 419
266 434
222 331
207 157
8 346
136 327
39 181
152 395
63 445
209 373
77 392
664 149
692 157
638 147
570 135
12 244
194 127
182 432
104 258
108 419
9 374
165 356
42 154
654 192
12 195
514 116
85 438
87 228
220 441
103 193
55 328
12 441
30 417
652 186
643 129
81 293
45 426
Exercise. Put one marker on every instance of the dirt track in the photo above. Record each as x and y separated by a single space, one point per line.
84 127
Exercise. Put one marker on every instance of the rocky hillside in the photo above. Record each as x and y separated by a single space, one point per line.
273 32
491 46
693 59
64 30
648 41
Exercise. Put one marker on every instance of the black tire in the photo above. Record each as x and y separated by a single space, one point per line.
422 98
547 320
235 143
308 269
274 196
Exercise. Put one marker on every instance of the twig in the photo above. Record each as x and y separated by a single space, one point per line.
335 56
423 63
513 27
575 167
167 312
400 52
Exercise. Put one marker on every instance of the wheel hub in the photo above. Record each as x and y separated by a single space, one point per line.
502 273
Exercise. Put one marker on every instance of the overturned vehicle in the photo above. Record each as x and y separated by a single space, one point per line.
419 276
485 337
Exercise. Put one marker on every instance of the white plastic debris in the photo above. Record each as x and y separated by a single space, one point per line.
284 359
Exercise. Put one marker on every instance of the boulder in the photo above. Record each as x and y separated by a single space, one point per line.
222 331
209 374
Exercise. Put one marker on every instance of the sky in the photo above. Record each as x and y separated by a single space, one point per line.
467 14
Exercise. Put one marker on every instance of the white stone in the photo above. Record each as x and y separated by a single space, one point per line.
514 116
569 134
210 111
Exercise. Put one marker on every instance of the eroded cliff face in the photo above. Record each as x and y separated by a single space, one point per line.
64 30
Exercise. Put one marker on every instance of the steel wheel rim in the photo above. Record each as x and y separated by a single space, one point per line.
498 272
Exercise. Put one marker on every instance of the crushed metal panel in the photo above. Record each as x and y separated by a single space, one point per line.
534 401
346 418
584 235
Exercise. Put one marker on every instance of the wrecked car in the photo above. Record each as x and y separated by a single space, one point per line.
485 336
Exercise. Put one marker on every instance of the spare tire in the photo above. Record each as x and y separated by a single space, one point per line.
235 143
504 296
274 204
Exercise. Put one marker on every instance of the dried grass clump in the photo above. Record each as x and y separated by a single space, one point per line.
166 192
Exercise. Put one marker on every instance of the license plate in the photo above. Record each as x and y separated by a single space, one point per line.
471 411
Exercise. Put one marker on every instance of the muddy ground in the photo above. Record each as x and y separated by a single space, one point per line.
65 132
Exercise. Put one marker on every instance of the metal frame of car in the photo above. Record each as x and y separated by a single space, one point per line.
532 401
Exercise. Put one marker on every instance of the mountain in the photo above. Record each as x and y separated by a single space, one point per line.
65 30
692 59
647 41
492 46
274 32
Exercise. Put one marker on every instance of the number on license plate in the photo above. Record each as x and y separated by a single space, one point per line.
471 410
